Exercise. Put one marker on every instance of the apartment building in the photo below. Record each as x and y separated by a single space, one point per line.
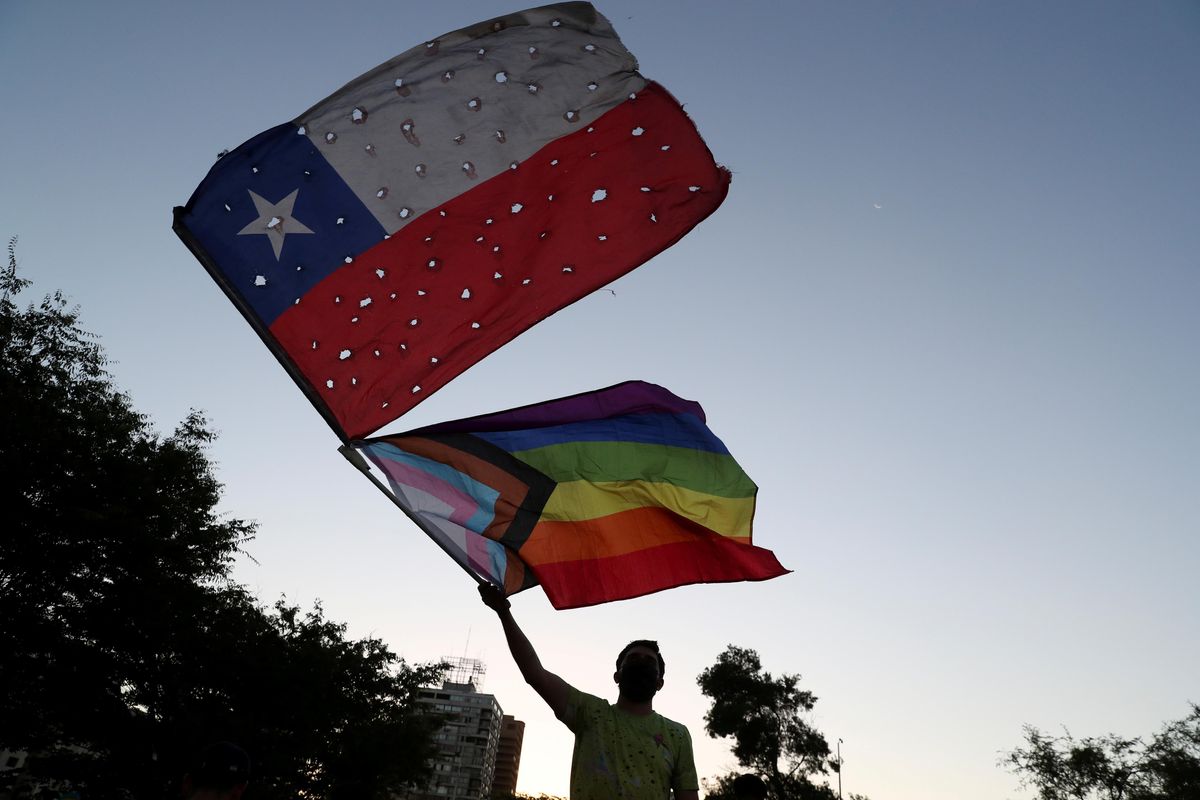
469 740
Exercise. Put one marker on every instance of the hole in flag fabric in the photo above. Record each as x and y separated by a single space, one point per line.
409 129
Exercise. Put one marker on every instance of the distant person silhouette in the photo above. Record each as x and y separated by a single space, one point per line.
623 750
220 772
749 786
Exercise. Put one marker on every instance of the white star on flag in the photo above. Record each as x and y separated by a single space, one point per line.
275 220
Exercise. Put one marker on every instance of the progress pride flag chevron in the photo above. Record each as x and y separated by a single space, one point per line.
444 202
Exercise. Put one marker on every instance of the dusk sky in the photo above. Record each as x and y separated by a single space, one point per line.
946 319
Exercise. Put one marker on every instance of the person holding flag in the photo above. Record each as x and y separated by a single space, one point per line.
625 749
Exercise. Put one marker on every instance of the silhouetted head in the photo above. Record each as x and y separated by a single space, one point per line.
221 770
749 787
640 669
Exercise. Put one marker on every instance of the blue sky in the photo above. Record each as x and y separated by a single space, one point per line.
946 319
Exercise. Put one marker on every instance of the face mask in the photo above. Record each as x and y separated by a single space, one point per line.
638 681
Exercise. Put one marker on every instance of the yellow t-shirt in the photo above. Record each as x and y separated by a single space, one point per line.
623 756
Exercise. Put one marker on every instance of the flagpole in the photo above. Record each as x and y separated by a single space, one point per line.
356 459
302 383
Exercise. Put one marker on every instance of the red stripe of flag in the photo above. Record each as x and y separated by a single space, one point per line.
707 559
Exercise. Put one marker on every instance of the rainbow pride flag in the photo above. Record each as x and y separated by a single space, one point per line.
599 496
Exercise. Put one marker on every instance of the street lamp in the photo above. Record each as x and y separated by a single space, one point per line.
839 748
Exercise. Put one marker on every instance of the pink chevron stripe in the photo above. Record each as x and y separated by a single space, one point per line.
463 504
480 558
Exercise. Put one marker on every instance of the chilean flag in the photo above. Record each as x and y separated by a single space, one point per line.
437 206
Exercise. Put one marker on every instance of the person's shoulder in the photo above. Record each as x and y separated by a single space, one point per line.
579 694
584 710
583 701
676 728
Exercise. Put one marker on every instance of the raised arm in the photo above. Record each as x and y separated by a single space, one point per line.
553 689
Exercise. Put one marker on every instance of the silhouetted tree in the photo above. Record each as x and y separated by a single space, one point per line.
1112 767
764 716
124 645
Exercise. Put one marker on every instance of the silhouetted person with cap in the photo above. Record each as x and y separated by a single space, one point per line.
220 772
749 786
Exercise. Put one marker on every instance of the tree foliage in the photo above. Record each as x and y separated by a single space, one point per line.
764 716
1112 767
124 644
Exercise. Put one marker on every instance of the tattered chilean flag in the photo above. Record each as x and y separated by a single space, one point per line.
434 208
600 496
